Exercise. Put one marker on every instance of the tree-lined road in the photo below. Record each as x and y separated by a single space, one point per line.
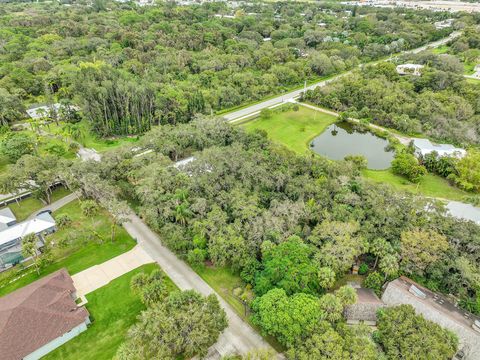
238 337
256 108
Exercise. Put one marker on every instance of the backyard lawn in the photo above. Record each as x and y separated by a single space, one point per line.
294 129
431 185
83 243
113 309
30 205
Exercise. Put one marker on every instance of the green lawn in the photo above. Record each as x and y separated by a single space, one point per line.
224 281
30 205
431 185
294 129
82 244
90 139
113 309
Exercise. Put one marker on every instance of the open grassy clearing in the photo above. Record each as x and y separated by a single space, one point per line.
294 129
431 185
113 309
83 243
28 206
224 281
88 138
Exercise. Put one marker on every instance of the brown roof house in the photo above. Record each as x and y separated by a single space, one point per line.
437 308
365 309
40 317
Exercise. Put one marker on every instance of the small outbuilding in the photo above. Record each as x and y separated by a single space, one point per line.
410 69
365 309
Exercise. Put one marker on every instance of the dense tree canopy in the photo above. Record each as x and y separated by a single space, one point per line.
185 323
428 341
129 67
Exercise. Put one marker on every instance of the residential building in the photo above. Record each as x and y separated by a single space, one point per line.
365 309
424 147
40 317
11 235
410 69
443 24
42 111
437 308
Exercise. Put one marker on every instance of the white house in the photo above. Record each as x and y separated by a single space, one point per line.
424 147
41 111
410 69
40 317
12 234
443 24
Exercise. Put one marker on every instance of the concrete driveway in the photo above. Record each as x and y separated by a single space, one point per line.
99 275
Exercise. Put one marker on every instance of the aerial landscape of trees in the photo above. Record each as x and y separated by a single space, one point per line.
289 228
129 68
289 225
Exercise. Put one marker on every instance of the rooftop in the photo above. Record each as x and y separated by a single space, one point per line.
37 314
426 146
7 216
40 223
437 301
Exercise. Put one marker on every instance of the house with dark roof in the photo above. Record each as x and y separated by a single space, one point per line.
439 309
365 309
40 317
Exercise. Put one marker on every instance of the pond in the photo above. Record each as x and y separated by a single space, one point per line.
342 139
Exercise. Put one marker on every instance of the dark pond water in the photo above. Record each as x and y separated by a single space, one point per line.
341 139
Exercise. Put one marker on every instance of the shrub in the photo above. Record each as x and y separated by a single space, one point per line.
374 281
363 269
407 165
63 220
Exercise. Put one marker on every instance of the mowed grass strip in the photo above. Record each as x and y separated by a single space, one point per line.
294 129
113 310
431 185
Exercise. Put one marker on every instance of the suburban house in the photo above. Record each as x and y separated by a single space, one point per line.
424 147
443 24
46 110
439 309
11 235
40 317
365 309
409 69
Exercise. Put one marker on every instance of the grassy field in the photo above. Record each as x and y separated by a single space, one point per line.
113 309
29 205
224 281
294 129
431 185
78 246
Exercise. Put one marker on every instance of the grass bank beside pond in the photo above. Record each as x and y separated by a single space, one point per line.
294 129
24 208
431 185
83 243
113 309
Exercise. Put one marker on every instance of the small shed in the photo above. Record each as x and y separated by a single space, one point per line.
410 69
365 309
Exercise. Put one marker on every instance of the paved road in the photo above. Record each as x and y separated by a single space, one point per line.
239 337
56 204
256 108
